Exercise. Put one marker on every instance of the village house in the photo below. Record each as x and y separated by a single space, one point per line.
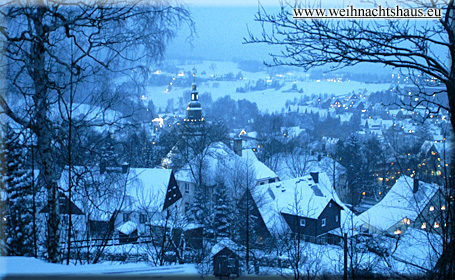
409 203
306 206
124 202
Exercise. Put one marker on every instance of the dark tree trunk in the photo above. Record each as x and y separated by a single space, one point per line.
42 128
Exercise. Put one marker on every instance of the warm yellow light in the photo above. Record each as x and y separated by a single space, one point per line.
397 231
443 207
431 208
424 226
436 225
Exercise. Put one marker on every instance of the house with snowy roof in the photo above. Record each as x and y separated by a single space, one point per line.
307 206
409 203
221 163
125 202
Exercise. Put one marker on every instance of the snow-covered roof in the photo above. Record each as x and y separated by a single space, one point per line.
224 243
301 196
147 187
127 228
399 203
262 172
305 163
220 160
137 189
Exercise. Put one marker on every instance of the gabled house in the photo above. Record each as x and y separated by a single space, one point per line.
123 202
306 206
409 203
68 208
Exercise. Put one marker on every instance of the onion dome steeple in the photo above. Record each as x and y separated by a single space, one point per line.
194 109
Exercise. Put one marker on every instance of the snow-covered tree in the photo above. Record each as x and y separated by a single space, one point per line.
221 217
17 183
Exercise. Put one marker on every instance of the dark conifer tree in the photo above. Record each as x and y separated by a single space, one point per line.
17 182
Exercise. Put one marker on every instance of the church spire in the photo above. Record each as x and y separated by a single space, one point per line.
194 109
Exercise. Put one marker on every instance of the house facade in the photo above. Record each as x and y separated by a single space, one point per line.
305 206
409 203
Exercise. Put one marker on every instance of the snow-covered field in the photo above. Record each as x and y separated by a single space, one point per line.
269 100
31 266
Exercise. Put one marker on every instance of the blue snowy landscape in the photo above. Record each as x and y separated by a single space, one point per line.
170 139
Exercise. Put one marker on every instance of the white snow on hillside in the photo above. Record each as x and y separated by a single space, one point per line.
269 100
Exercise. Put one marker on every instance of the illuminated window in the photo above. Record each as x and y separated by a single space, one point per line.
431 208
443 207
302 222
363 193
397 231
424 225
436 225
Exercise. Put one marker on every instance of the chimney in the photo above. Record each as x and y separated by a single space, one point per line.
238 146
315 176
125 167
416 185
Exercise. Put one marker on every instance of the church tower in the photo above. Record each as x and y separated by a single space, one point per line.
194 109
194 120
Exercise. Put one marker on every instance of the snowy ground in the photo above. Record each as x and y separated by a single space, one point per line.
31 266
269 100
413 254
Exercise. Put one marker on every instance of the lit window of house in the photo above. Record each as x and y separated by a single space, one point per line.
431 208
397 231
436 225
323 222
443 207
302 222
424 225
